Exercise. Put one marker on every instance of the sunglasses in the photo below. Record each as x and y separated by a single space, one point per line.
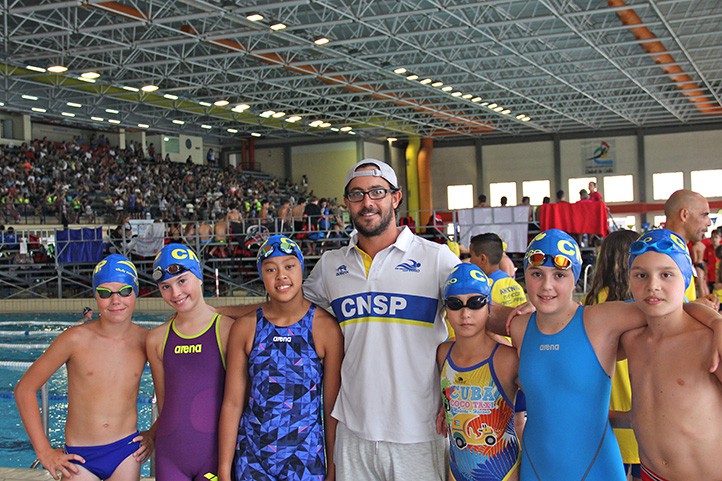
268 249
663 246
538 258
173 270
105 293
474 303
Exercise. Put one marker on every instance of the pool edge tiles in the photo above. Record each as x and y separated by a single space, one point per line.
154 304
21 474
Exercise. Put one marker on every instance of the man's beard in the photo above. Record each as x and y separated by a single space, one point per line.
386 220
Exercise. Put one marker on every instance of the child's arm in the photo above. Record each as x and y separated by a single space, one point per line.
26 390
145 438
153 350
441 353
328 339
710 318
236 312
234 397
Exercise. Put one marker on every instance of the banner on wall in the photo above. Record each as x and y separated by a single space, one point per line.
599 156
509 223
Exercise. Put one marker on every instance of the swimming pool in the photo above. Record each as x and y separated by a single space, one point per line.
23 337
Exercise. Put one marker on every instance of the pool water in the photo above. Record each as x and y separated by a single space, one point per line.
23 337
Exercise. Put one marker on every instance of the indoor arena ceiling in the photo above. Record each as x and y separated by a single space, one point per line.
448 69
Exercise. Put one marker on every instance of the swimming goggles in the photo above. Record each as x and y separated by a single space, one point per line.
105 293
172 269
662 246
287 248
474 303
538 258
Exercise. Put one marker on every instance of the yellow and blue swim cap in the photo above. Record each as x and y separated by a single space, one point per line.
173 260
665 242
278 245
116 268
554 248
467 278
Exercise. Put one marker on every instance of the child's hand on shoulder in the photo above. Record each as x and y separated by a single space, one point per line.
56 461
147 445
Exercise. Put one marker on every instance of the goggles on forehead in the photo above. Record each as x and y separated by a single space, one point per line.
474 303
172 269
268 249
663 246
105 293
538 258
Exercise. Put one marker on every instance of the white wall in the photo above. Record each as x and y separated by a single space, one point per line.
271 161
451 166
325 166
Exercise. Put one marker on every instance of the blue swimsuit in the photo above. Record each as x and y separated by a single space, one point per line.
281 434
567 433
103 460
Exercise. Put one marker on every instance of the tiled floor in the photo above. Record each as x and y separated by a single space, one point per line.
17 474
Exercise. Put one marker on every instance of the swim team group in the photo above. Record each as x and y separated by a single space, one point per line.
394 360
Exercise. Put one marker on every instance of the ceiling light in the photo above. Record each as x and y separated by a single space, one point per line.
143 126
97 119
221 103
492 106
57 69
520 116
345 129
112 111
278 115
90 75
506 112
476 99
325 125
170 96
267 113
334 129
484 104
114 121
412 77
149 88
38 109
456 94
255 134
73 104
352 132
437 84
499 109
526 119
254 17
232 131
400 70
241 107
2 104
466 96
88 80
293 118
130 89
447 88
67 114
426 81
316 123
35 69
29 97
276 26
205 104
391 139
177 122
321 41
206 126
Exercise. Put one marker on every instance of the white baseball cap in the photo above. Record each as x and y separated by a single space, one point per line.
382 170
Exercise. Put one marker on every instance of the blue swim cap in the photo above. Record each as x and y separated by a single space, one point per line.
173 260
116 268
466 278
278 245
550 244
665 242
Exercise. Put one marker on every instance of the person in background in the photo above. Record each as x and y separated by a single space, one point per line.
104 359
610 282
594 194
87 314
482 201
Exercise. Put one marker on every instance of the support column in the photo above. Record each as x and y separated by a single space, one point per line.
412 175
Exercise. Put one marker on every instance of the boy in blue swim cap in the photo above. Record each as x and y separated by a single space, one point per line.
284 373
105 359
480 427
676 402
187 357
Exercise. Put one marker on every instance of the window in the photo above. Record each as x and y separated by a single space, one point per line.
171 145
619 188
706 182
536 190
460 196
577 184
501 189
659 221
625 222
666 183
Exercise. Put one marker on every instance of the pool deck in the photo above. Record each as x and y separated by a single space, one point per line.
18 474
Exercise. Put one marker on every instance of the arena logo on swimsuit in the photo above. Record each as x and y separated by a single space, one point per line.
188 349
